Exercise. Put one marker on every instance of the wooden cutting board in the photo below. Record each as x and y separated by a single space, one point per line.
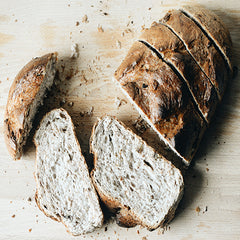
104 31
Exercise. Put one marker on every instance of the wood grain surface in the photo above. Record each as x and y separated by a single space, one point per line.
210 208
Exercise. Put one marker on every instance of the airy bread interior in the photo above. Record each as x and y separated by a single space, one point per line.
64 188
128 171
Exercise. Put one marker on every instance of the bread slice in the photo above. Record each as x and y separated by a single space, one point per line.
213 27
64 188
172 50
131 178
162 98
25 96
200 47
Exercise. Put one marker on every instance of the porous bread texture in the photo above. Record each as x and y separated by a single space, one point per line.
64 188
129 175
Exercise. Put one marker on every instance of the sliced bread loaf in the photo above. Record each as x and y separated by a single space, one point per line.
64 187
25 96
131 178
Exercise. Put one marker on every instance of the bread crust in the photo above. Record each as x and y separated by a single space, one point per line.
125 217
201 48
36 194
163 98
214 27
173 51
21 95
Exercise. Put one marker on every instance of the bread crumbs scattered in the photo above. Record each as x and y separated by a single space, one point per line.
13 216
85 19
118 44
29 229
197 209
77 23
100 29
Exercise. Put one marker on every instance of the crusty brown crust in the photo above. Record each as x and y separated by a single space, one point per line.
214 28
162 97
36 194
201 48
173 51
124 215
21 95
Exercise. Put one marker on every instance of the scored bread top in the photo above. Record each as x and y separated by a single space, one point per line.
22 94
201 48
162 98
173 51
214 28
131 178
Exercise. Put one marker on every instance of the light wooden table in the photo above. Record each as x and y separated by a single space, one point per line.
33 28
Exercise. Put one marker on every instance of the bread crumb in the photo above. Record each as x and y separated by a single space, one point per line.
140 125
13 216
138 232
197 209
206 209
128 30
62 102
70 104
105 13
119 102
77 23
30 229
207 169
75 50
118 44
85 19
144 238
29 199
10 201
90 112
100 29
